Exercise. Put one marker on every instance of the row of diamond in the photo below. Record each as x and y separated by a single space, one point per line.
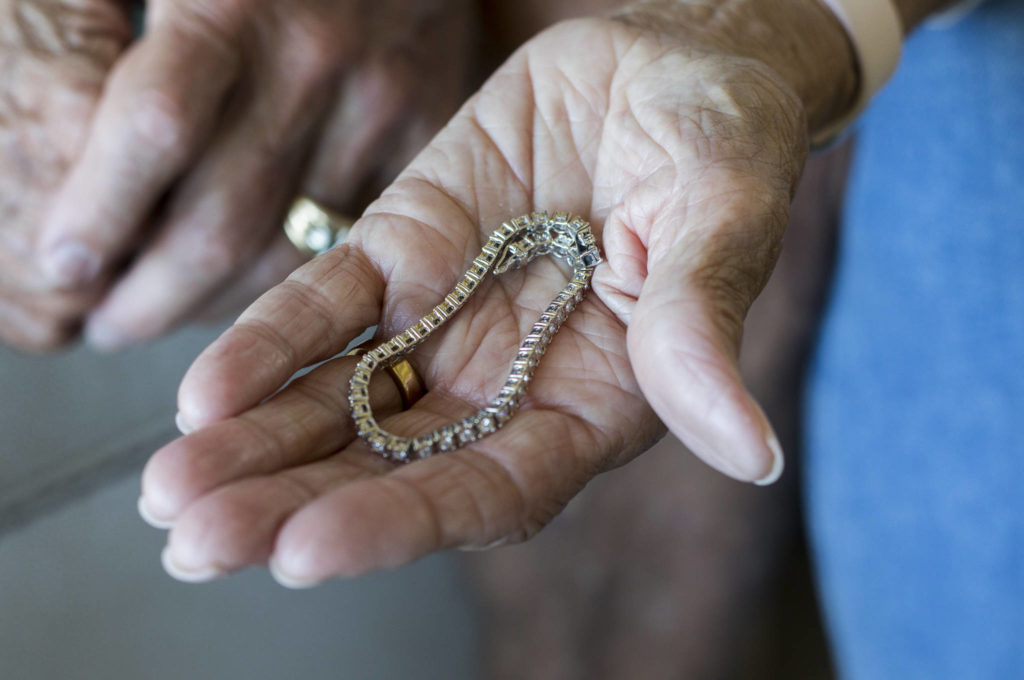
535 234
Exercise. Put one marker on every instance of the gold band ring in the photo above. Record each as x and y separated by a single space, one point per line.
314 228
411 387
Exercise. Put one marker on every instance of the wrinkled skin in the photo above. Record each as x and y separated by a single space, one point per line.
145 182
684 159
54 57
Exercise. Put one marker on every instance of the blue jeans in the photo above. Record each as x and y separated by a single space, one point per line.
915 411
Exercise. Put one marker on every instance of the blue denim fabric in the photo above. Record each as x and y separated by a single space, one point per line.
915 420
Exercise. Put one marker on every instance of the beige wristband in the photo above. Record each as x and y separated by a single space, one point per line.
876 33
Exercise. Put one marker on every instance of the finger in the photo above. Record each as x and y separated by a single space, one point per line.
502 488
234 527
268 270
307 421
20 278
34 318
154 117
360 133
31 332
220 219
310 317
232 202
462 498
685 331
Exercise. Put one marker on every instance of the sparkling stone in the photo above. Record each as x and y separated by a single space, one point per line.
563 240
486 424
319 238
447 442
398 448
423 448
467 435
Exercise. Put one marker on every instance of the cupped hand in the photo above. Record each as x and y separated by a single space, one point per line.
684 160
209 125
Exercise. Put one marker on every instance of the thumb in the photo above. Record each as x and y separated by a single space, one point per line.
684 335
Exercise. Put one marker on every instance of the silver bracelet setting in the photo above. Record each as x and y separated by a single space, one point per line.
513 245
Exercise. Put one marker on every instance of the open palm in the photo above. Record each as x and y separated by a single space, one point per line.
684 161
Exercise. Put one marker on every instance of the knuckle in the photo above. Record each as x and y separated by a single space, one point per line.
310 61
220 252
315 41
160 122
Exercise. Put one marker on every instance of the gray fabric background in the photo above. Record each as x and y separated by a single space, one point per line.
82 594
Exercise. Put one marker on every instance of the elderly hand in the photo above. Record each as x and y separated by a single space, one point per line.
206 129
682 154
55 57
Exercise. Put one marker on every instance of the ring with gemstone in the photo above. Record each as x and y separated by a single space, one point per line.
313 228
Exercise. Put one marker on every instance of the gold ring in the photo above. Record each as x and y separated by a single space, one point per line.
409 383
314 228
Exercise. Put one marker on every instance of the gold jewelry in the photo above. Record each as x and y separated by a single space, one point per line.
315 229
407 380
411 387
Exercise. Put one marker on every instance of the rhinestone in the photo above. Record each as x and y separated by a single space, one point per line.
319 237
467 435
398 447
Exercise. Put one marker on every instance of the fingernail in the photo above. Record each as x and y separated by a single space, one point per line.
151 518
289 581
103 337
187 575
71 264
778 465
183 427
486 546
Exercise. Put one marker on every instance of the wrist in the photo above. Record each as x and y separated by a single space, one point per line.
800 40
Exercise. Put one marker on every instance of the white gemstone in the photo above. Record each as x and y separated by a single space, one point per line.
319 238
